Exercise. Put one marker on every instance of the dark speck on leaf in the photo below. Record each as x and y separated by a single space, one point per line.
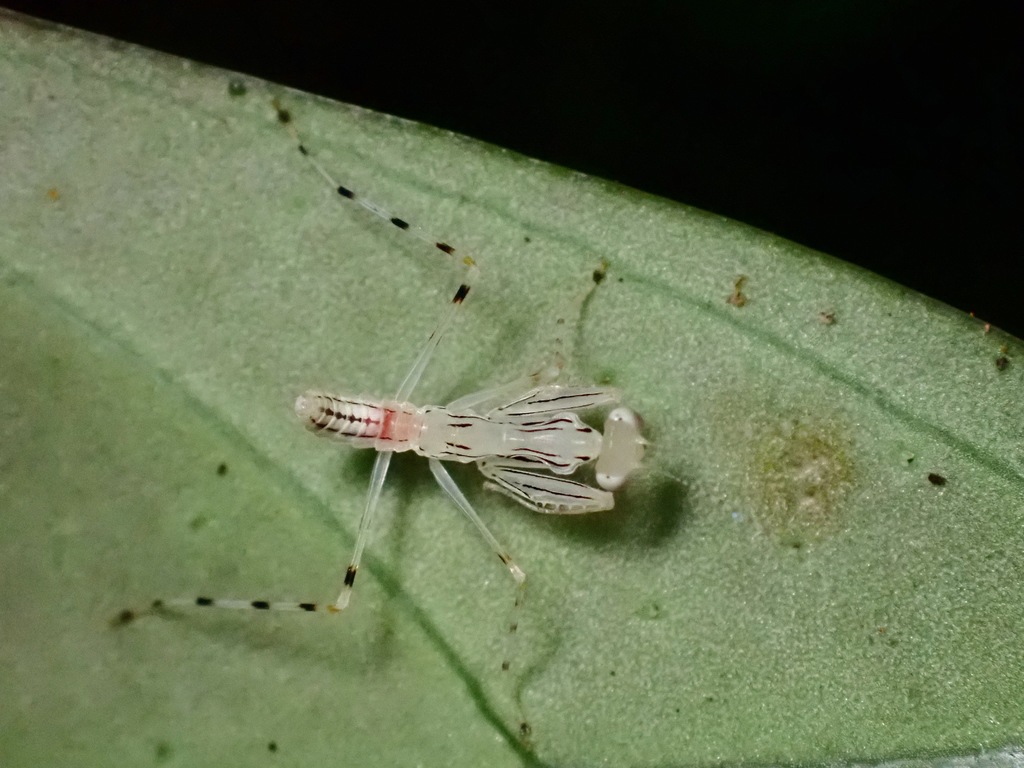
936 479
127 616
737 298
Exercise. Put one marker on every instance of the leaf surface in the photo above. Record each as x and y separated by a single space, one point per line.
819 562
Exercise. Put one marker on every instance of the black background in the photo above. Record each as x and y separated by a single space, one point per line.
885 133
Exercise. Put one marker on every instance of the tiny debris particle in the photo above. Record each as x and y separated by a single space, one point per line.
222 469
284 117
600 272
272 746
237 87
127 616
1002 362
53 193
525 730
936 479
650 611
827 318
986 327
737 298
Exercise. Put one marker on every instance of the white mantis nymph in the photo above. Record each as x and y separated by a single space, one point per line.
525 437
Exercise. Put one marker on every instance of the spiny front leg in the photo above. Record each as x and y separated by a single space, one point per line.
544 493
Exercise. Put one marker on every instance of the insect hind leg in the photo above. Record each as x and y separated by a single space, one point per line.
448 485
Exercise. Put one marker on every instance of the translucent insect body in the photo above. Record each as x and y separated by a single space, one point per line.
525 437
525 440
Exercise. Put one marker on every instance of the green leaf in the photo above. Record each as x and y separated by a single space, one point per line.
820 560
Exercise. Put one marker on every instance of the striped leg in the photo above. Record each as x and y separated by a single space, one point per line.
544 493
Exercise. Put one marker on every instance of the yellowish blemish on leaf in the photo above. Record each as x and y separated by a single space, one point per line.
801 474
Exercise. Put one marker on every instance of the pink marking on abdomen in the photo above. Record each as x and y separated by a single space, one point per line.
387 425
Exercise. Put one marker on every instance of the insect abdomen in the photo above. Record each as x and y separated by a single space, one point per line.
364 423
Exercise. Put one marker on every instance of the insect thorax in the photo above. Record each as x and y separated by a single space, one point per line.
559 443
364 423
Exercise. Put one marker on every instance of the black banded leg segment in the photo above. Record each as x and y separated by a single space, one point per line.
285 118
242 605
